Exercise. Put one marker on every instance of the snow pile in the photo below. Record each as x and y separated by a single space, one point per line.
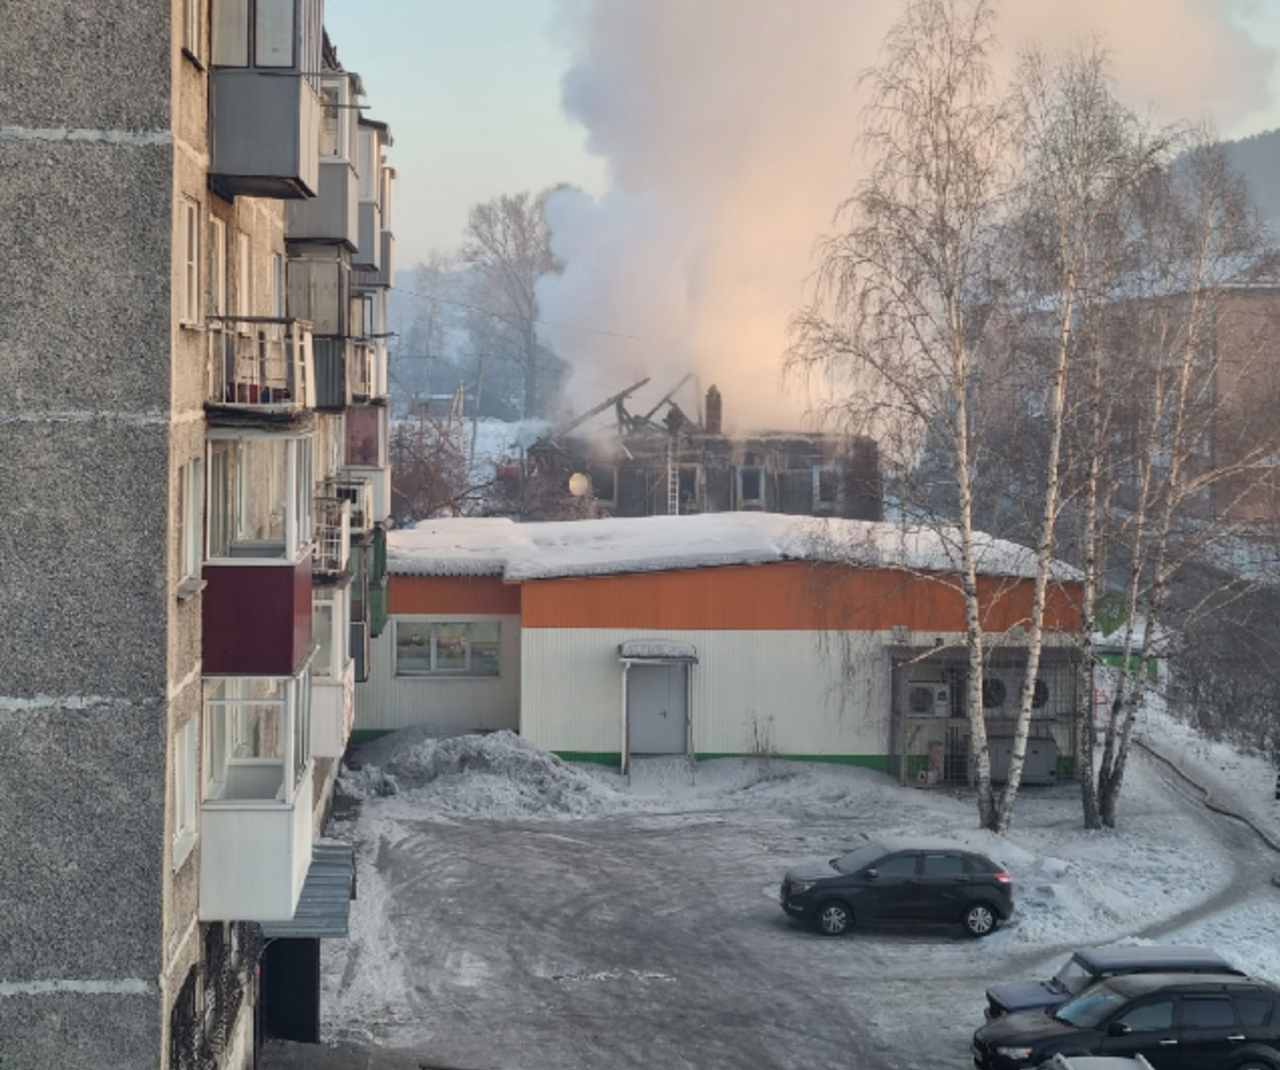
498 546
499 776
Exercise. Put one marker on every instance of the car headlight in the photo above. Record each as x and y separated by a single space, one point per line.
799 887
1014 1053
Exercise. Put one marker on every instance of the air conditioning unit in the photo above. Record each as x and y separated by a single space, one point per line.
928 699
1000 691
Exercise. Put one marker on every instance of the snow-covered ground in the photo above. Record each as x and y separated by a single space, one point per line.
1172 872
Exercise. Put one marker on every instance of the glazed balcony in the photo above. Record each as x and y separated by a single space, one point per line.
261 364
333 711
333 216
264 98
255 814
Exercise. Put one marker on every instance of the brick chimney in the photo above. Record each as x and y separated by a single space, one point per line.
713 411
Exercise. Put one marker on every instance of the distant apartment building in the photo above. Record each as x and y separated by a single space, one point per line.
197 251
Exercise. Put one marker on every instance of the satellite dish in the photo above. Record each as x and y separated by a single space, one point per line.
579 485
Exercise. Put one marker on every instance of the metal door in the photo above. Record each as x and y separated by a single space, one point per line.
657 708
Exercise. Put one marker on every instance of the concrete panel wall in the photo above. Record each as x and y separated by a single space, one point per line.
798 693
388 702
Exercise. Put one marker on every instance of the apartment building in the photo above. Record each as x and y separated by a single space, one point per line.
193 437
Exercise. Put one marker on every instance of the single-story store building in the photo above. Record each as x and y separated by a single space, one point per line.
717 635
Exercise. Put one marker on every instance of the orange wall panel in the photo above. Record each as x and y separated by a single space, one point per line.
452 594
783 596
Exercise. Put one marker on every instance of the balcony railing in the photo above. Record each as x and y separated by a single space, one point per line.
332 534
261 363
358 492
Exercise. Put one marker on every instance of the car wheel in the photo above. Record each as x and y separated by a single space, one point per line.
833 917
979 920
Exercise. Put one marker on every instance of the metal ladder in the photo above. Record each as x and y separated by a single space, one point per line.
673 479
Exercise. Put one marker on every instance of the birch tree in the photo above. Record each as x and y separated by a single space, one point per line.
1080 155
1201 431
889 330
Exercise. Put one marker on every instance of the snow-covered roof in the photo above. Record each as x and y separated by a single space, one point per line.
657 650
534 551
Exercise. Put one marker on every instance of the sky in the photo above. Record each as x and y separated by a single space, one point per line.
710 140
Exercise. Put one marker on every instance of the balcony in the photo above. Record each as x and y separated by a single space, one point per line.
332 217
264 98
381 275
357 492
332 550
368 254
260 364
333 712
255 814
256 617
362 377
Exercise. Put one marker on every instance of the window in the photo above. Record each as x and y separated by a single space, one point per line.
189 290
1254 1009
1207 1012
334 123
897 866
604 484
690 488
443 648
256 728
217 268
190 499
260 497
827 491
244 276
191 21
1149 1017
184 793
275 287
943 866
750 487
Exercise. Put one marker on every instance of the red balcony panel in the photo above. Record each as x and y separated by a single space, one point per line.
257 618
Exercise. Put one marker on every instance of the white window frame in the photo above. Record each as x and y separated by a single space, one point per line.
226 723
339 629
234 489
434 624
191 25
189 288
244 278
190 524
184 793
218 269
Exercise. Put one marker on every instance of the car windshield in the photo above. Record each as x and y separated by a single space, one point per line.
859 859
1091 1008
1074 977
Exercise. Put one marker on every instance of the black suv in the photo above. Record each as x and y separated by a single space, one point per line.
900 881
1177 1021
1090 965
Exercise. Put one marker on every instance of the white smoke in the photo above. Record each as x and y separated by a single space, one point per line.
728 127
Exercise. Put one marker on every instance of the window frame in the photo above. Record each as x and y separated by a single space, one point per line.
190 526
192 24
244 279
745 503
218 280
185 804
819 502
433 626
189 290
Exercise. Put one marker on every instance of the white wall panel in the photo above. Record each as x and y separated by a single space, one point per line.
801 693
387 702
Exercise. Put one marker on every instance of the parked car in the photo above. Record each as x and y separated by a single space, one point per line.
1096 1062
1180 1021
1090 965
891 881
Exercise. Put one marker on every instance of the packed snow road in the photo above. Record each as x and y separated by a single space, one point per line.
518 914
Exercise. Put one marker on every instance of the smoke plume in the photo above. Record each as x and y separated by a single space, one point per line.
728 127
